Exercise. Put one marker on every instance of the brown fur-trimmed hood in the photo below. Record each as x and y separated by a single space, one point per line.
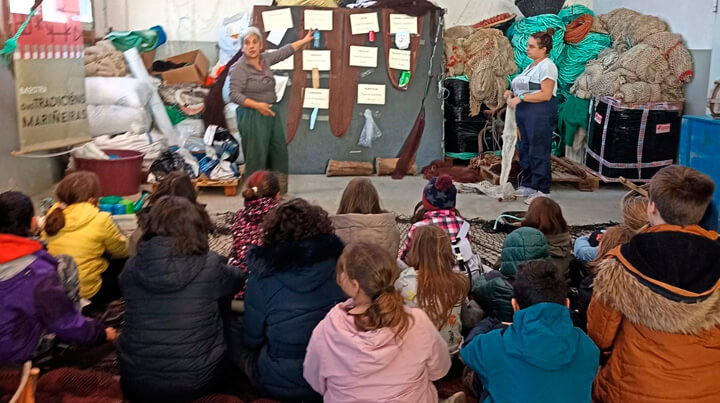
667 279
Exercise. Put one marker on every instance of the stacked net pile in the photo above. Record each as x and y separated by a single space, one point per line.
647 63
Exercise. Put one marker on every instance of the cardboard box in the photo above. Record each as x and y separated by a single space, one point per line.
148 58
196 72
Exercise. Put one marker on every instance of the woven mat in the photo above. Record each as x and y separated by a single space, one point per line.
486 243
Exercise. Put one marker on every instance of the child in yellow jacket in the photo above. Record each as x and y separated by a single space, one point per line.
76 227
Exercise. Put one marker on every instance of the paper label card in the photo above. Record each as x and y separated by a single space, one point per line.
279 19
287 64
322 20
399 59
317 98
276 36
363 56
364 23
372 94
402 22
316 59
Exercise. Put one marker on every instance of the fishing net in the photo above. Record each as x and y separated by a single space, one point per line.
489 62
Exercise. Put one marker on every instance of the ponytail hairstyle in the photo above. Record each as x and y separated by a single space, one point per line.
16 214
545 39
78 187
439 287
214 113
376 271
261 184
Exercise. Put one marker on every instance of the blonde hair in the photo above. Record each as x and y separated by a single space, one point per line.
439 287
375 271
634 211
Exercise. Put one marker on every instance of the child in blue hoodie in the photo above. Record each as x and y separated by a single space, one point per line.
541 356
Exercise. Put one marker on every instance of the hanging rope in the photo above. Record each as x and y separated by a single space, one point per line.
578 29
520 32
11 44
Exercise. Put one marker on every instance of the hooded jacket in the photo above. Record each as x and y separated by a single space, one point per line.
560 247
656 309
541 357
172 339
380 229
520 246
33 302
290 290
347 365
88 234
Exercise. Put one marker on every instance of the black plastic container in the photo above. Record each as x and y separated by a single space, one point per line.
633 141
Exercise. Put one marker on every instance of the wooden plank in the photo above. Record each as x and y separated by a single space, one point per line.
349 168
386 166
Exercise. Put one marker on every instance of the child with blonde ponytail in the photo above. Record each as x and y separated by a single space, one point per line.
372 347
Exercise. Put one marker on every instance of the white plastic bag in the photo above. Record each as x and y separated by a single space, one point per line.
113 119
370 130
162 120
122 91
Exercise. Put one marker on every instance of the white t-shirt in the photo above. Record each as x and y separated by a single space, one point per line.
529 81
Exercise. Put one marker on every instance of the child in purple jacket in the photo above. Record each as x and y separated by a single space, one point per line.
32 299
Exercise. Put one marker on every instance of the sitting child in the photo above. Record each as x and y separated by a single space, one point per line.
655 307
173 346
262 192
176 183
546 215
360 217
431 284
541 356
32 297
613 237
76 227
371 348
438 209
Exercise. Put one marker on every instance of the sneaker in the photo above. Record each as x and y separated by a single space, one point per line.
523 191
534 196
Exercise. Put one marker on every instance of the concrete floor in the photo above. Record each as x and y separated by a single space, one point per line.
400 196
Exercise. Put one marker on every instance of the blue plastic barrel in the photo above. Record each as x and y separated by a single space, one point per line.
700 149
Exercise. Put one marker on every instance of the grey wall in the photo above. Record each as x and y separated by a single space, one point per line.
17 173
696 93
310 151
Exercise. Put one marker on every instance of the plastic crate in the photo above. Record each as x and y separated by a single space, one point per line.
700 149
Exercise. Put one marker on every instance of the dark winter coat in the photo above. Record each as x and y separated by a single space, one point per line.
493 292
655 309
520 246
291 288
172 340
33 302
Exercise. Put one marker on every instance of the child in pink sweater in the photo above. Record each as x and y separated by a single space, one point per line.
372 348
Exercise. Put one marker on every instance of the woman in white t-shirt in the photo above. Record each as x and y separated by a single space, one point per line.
533 96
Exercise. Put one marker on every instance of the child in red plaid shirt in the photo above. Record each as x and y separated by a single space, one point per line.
438 200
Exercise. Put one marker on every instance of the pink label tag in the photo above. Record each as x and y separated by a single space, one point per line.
598 118
662 128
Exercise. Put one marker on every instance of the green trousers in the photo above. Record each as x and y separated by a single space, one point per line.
263 141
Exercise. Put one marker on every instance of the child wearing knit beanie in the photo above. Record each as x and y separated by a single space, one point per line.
438 199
